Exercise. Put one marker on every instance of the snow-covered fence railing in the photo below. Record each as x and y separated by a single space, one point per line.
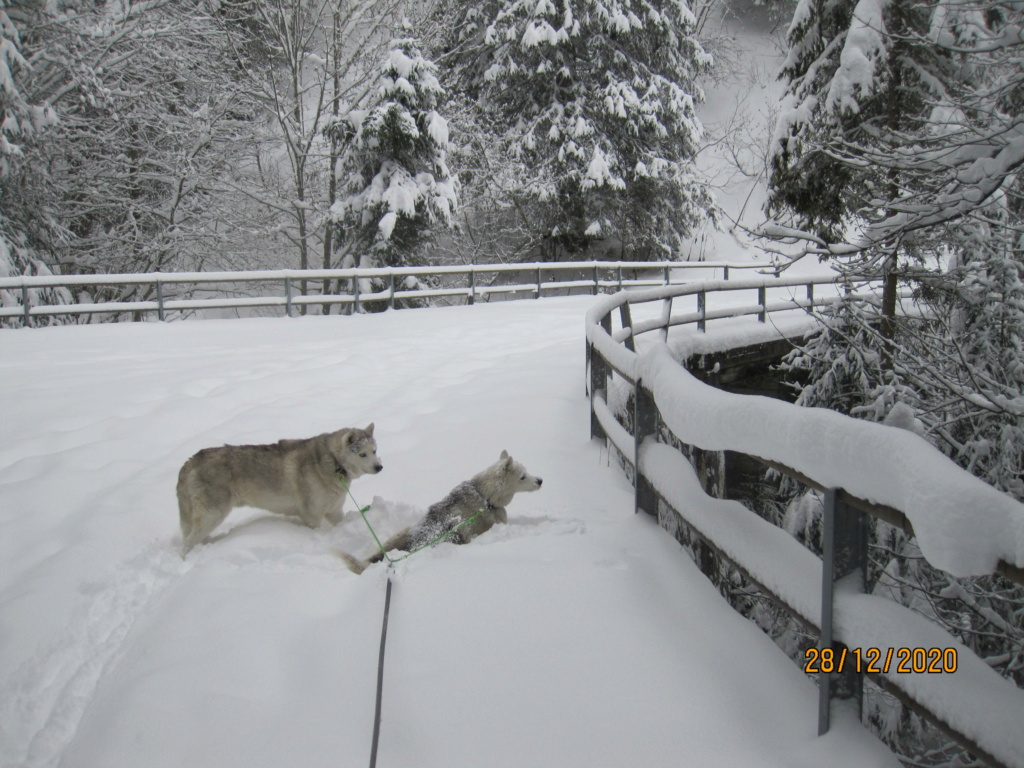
963 526
594 276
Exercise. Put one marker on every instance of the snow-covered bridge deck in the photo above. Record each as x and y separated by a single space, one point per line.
578 635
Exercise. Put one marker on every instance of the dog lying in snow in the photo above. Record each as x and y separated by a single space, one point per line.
298 478
475 505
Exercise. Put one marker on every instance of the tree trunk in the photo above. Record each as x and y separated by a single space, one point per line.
888 324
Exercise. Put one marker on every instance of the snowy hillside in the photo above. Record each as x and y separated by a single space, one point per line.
577 635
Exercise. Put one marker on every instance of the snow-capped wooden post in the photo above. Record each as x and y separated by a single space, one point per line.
472 287
626 318
645 424
288 295
26 306
702 307
391 291
844 547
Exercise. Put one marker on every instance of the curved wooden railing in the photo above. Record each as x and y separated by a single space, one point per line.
676 423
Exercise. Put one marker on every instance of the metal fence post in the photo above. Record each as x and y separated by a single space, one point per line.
725 271
762 299
645 424
844 555
159 298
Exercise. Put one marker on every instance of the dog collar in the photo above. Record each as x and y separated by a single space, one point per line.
340 470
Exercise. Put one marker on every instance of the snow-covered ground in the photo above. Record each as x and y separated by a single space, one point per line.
577 635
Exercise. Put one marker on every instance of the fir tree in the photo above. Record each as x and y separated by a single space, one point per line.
593 101
396 167
23 120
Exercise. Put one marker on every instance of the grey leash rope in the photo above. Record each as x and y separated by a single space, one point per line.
380 672
387 608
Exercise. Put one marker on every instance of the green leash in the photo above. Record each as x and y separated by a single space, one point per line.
391 560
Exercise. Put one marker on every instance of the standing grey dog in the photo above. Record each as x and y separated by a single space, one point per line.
306 479
476 504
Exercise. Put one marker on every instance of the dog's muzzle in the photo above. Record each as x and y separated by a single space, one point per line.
377 468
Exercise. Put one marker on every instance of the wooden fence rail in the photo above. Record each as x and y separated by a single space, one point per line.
592 276
826 595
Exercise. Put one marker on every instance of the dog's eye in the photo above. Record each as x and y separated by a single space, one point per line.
523 477
363 455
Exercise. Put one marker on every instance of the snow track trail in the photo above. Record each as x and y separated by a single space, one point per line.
43 703
576 635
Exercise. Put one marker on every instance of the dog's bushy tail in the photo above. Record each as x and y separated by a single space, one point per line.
398 541
354 564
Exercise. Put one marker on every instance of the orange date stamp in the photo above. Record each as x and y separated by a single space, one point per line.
880 661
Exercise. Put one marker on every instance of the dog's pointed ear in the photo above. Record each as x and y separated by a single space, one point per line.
504 456
349 438
369 429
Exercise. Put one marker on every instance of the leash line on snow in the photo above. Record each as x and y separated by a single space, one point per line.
387 610
380 673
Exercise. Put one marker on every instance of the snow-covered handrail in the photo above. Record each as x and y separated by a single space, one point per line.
601 275
963 525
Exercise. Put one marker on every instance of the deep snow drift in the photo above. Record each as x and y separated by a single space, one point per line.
577 635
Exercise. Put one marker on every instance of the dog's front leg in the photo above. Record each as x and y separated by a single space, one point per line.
334 516
310 516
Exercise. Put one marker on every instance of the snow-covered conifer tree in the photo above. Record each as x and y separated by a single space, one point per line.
594 102
395 168
22 119
899 119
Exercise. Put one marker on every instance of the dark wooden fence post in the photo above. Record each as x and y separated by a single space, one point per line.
626 318
645 424
844 556
599 373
